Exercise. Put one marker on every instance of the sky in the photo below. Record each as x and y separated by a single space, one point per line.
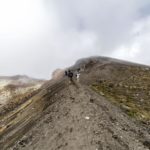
39 36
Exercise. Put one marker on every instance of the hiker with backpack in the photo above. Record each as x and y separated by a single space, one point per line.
70 75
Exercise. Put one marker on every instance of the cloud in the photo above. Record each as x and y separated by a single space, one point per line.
110 20
38 36
138 48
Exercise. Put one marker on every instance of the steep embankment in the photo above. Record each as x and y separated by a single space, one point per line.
17 122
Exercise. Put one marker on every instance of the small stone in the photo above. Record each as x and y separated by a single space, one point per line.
71 129
147 69
141 100
120 84
87 118
146 143
126 107
96 132
115 136
101 93
125 129
111 85
91 100
72 98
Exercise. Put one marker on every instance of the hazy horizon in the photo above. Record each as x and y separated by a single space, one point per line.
39 36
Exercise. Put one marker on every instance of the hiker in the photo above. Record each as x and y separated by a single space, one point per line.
77 76
70 75
66 73
78 70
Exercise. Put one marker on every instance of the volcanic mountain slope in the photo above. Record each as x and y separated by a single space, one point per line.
107 110
14 89
124 83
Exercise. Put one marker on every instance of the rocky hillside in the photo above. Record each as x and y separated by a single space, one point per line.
15 89
108 109
124 83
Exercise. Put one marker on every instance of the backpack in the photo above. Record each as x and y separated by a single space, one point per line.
70 74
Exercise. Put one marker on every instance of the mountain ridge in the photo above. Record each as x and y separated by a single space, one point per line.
101 111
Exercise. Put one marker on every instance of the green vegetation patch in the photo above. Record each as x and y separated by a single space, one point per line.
130 90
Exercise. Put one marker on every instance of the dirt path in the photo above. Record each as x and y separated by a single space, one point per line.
80 119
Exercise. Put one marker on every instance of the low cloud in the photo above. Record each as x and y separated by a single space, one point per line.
38 36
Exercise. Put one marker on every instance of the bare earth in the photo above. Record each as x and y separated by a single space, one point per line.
109 109
80 119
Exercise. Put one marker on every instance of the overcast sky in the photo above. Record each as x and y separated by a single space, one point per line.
39 36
